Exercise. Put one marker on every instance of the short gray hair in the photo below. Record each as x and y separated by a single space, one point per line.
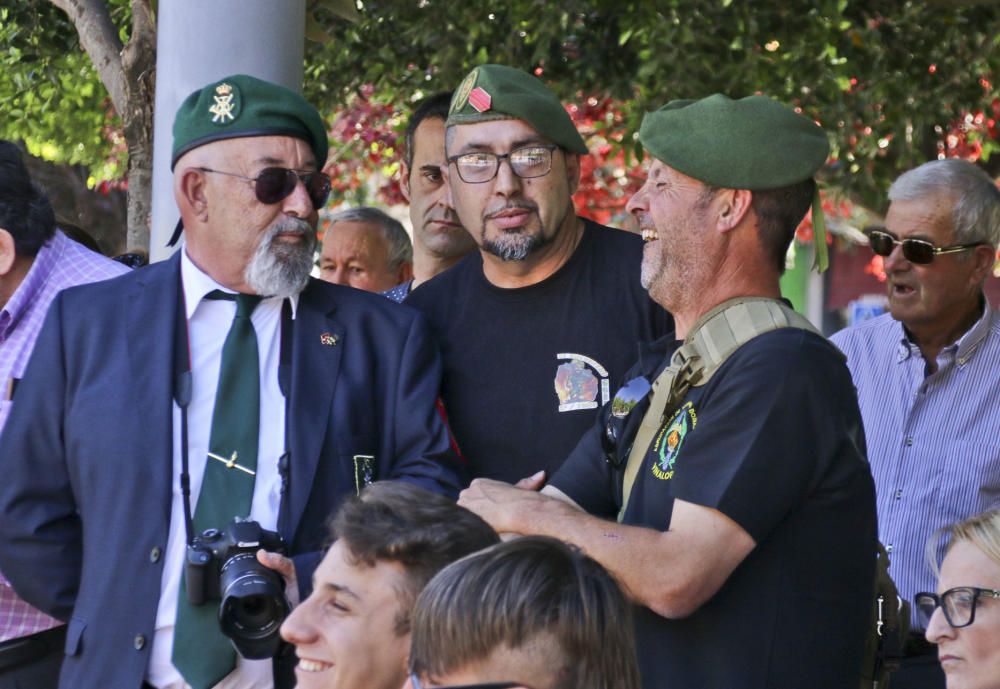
976 213
400 246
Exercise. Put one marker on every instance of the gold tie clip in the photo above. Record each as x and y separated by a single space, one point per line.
231 463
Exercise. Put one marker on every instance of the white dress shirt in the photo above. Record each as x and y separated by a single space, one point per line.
208 324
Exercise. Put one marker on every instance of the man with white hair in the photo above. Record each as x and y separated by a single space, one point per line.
222 385
927 374
367 249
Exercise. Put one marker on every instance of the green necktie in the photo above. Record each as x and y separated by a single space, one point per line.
202 654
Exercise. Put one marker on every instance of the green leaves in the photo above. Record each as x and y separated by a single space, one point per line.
879 76
888 80
50 95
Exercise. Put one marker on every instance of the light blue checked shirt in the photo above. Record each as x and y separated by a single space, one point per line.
933 441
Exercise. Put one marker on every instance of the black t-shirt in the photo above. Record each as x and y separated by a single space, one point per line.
774 441
526 370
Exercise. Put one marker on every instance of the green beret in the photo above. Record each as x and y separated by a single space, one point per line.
753 143
242 105
496 92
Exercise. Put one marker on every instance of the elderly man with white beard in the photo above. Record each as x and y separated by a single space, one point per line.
222 394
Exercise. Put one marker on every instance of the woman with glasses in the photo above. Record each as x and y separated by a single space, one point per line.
964 618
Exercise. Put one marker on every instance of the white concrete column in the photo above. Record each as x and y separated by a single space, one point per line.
198 42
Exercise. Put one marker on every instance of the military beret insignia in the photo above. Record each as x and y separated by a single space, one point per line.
497 92
241 105
480 99
461 96
226 105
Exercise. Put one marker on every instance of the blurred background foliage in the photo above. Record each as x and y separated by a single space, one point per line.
894 82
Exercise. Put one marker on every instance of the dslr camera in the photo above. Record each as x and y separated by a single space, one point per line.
222 565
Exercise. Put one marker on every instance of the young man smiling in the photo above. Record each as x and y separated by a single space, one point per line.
353 632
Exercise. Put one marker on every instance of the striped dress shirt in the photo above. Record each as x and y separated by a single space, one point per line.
933 440
60 263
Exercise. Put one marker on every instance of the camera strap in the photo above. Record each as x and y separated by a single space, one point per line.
183 388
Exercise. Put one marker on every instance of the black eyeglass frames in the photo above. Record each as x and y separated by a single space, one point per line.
918 251
273 184
958 604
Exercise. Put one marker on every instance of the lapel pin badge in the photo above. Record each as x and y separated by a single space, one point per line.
328 339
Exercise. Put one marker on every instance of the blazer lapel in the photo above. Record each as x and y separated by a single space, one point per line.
151 308
317 344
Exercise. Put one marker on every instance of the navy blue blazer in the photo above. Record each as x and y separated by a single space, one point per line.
87 449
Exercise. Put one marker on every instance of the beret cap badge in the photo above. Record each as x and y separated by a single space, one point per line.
226 106
497 92
480 99
463 91
241 105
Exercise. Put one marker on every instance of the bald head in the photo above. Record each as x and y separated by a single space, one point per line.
240 241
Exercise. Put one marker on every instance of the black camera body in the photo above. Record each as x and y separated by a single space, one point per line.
222 565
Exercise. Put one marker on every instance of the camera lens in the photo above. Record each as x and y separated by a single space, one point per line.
253 606
254 613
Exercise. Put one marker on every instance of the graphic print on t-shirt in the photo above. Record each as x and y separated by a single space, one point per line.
670 439
581 383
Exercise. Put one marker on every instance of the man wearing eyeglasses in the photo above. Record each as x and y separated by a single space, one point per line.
729 494
223 383
927 375
539 324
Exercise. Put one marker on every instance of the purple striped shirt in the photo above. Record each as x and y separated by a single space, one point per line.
933 441
59 264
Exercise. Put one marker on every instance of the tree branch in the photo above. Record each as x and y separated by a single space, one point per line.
99 38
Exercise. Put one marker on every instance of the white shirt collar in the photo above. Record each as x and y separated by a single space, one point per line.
197 283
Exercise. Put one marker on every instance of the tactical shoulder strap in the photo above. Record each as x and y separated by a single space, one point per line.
712 340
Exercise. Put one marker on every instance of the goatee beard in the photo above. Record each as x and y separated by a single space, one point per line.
280 268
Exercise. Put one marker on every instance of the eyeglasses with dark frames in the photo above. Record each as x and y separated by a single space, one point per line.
918 251
415 681
958 604
526 162
274 184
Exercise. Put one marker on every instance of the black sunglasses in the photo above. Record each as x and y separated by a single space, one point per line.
415 681
914 250
958 604
622 415
274 184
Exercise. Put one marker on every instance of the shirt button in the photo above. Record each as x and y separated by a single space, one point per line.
909 441
139 642
888 548
899 493
154 555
